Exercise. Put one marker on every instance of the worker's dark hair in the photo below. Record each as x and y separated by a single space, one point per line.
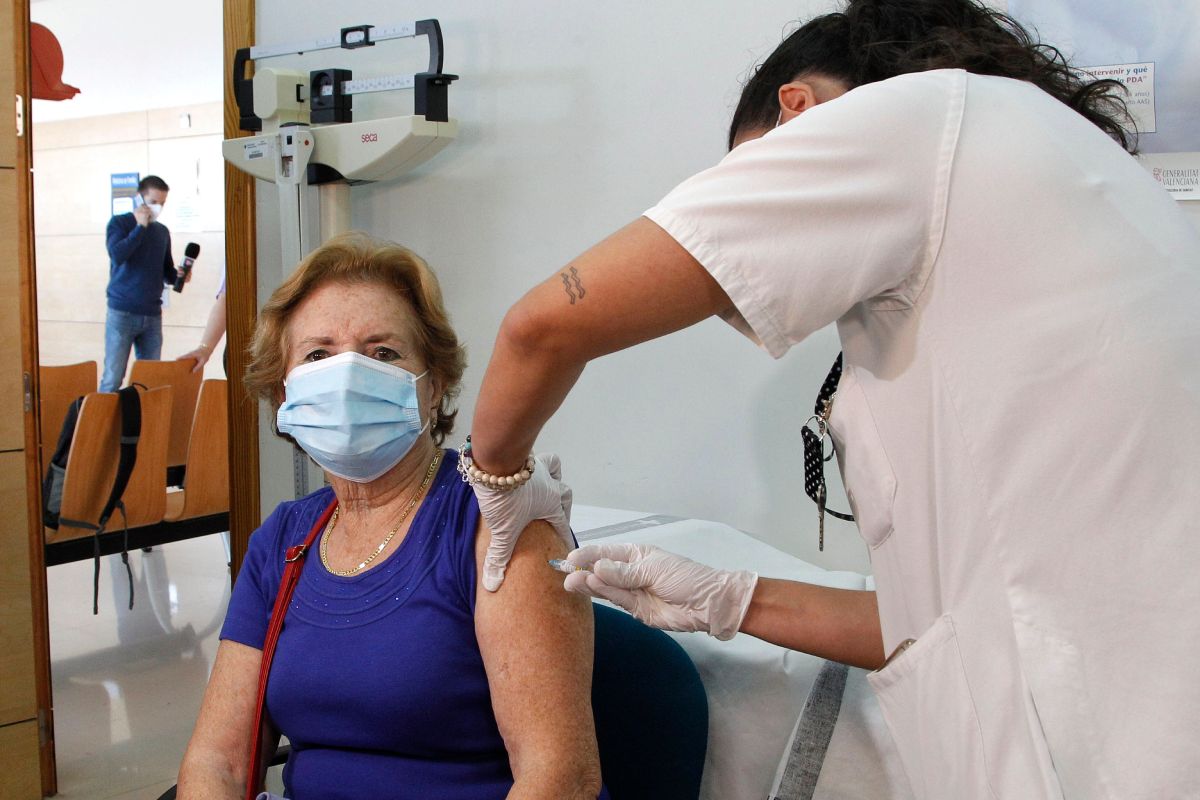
872 40
153 182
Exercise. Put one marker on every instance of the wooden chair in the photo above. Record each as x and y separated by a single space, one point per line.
145 495
91 465
186 385
60 385
207 488
92 468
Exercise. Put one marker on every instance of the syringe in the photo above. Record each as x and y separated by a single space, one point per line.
562 565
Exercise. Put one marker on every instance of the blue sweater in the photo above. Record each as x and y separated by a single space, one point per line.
140 265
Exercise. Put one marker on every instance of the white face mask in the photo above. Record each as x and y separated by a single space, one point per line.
155 208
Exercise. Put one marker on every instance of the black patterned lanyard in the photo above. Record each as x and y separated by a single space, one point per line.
814 450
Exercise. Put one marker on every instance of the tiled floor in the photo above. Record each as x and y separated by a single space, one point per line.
128 684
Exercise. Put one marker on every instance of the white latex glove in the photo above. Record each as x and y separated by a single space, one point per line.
662 589
508 513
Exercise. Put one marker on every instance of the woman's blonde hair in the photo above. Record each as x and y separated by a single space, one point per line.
356 258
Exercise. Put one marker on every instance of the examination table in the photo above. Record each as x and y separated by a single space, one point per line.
771 710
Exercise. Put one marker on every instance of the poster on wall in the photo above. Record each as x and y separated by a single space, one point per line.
185 214
123 187
1153 48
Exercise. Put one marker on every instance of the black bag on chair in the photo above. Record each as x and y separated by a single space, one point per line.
56 473
56 470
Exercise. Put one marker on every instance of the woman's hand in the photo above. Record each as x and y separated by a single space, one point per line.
662 589
200 355
508 514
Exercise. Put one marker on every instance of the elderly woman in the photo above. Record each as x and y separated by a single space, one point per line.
394 676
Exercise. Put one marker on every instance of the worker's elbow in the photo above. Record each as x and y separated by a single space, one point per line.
531 333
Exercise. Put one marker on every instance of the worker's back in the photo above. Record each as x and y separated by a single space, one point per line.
1023 432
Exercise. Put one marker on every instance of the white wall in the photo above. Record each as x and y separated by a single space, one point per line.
133 55
150 76
575 118
73 159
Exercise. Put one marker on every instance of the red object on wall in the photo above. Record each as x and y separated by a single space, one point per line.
48 65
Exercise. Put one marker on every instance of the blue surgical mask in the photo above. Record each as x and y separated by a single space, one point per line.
355 416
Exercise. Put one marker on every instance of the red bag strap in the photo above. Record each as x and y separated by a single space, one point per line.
293 564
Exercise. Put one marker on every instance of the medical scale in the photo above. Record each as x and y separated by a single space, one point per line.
306 141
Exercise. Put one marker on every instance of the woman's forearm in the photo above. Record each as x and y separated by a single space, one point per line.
214 329
838 624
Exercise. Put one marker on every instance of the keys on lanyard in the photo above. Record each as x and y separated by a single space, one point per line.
813 435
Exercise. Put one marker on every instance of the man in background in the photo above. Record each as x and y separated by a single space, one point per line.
139 249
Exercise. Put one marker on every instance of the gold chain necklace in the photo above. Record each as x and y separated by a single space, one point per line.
437 458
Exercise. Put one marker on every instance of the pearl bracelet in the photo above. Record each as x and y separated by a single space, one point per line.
474 476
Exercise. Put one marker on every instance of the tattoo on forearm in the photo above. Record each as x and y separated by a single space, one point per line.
572 285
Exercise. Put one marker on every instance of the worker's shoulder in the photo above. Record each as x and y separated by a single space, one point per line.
915 110
921 103
921 92
902 89
918 102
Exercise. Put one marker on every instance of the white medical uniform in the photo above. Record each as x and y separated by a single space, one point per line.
1018 423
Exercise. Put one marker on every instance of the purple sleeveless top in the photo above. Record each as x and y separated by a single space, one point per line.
377 681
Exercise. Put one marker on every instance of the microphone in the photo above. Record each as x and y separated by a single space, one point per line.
190 253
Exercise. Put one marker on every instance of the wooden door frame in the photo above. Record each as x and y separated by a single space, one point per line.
241 299
22 74
241 304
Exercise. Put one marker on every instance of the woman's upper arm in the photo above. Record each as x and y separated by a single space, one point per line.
221 739
537 641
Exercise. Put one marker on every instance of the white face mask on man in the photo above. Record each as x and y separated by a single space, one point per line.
155 208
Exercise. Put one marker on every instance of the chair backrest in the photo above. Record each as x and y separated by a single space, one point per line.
91 465
186 384
207 482
59 386
145 495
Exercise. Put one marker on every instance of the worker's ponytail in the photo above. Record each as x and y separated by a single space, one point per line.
872 40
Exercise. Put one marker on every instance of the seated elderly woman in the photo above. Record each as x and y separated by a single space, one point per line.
396 675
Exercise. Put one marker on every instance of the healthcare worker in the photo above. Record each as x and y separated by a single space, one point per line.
1017 419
